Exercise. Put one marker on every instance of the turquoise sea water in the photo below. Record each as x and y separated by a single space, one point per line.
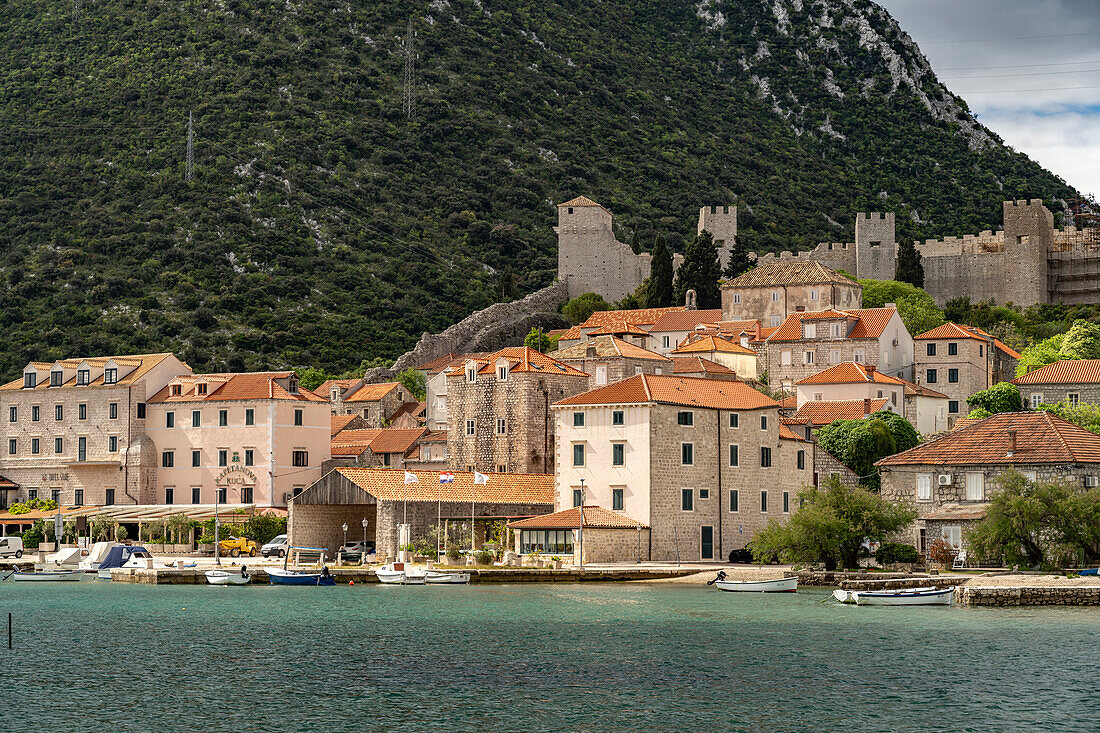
98 656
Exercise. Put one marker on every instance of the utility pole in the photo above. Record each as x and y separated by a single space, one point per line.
410 71
190 145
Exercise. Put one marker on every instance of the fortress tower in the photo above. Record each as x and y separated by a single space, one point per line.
1028 238
721 222
876 246
590 258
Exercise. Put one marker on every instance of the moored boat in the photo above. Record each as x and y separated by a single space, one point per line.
844 596
440 577
400 573
776 585
848 596
907 597
223 577
48 575
282 576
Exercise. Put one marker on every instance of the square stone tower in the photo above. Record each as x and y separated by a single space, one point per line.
1029 234
590 258
721 222
876 247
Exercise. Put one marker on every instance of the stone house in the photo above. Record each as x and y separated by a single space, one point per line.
76 430
607 359
703 463
382 498
605 536
377 403
698 366
958 361
435 386
849 381
334 390
1070 381
741 359
673 327
772 291
926 409
951 480
807 343
339 423
378 447
498 409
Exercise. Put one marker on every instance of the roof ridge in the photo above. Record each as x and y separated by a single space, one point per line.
1057 430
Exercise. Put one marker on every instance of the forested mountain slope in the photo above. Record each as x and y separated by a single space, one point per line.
323 227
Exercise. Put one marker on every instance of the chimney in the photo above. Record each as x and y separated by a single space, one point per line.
866 406
870 371
590 351
1011 442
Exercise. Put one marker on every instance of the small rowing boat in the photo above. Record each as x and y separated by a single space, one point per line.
400 573
439 577
848 596
48 576
281 576
907 597
222 577
776 585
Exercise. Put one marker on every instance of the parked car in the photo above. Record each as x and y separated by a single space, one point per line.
11 546
276 547
353 551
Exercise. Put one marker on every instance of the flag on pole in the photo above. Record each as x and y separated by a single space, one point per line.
410 478
446 477
480 478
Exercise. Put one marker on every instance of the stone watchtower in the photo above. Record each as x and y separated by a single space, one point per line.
1029 236
876 246
590 258
721 222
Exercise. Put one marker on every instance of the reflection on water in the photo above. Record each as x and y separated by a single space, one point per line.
533 657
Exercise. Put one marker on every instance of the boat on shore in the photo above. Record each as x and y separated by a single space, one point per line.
224 577
47 576
443 577
776 585
400 573
282 576
907 597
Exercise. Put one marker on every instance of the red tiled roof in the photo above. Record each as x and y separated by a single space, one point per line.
407 408
614 328
607 347
705 344
919 390
686 320
523 359
951 330
6 483
227 387
570 334
339 422
388 484
594 517
580 201
698 365
785 433
870 322
1067 371
823 412
962 511
849 372
325 388
1040 438
395 440
789 403
435 366
142 363
720 394
637 316
372 392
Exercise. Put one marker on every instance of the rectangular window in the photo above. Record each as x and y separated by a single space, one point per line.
775 319
502 426
981 350
924 487
501 468
55 378
1073 399
763 422
196 418
834 356
246 495
734 458
196 458
223 457
617 499
764 501
13 414
765 457
578 497
578 454
112 444
1036 400
223 494
665 342
502 372
11 446
813 295
952 375
470 427
83 377
200 388
617 417
109 497
297 418
578 419
685 417
386 459
786 502
785 358
81 449
809 330
975 486
857 356
78 497
775 296
735 496
110 376
953 406
300 458
249 457
801 460
112 411
704 493
733 419
169 419
618 453
34 413
687 454
167 459
952 349
930 349
601 375
169 495
32 493
930 377
223 418
737 298
196 495
807 357
35 445
141 410
58 445
30 380
687 500
58 412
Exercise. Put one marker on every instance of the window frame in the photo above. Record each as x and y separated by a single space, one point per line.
687 500
168 459
765 456
734 501
299 417
579 452
618 499
578 419
687 454
685 418
618 418
734 455
763 501
927 495
618 454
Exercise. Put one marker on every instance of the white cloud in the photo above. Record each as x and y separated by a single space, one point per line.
1063 142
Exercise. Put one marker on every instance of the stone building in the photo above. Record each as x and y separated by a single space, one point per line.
382 498
849 381
377 404
1070 381
673 327
498 409
605 536
376 447
807 343
606 359
819 413
771 291
435 386
700 366
960 360
76 430
249 438
703 463
926 409
742 360
951 480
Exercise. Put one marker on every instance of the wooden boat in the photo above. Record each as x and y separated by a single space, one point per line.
440 577
907 597
848 596
222 577
48 576
399 573
777 585
282 576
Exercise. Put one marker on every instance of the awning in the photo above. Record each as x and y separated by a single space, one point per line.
6 483
48 515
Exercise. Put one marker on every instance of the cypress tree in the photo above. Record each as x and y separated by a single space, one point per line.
658 293
739 261
700 271
910 269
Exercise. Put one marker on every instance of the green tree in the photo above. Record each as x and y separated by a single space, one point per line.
917 309
580 308
739 261
905 435
1040 354
311 377
414 381
1002 397
506 285
1082 341
858 444
540 341
1037 523
1085 414
910 270
830 525
701 272
659 286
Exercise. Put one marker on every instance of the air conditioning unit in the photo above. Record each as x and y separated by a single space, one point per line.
944 479
1091 481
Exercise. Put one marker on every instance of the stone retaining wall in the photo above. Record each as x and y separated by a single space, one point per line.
1080 595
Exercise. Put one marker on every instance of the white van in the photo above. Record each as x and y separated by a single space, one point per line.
11 546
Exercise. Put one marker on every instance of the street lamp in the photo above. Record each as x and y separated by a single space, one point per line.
580 529
363 557
344 547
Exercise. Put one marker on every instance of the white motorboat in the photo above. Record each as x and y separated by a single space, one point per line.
68 559
222 577
907 597
848 596
400 573
776 585
440 577
48 576
97 554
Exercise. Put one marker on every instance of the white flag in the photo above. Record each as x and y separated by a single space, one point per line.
410 478
480 478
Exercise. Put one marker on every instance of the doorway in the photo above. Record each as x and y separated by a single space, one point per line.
707 549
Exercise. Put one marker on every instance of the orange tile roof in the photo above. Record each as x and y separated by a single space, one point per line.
951 330
339 422
789 403
869 322
1067 371
710 343
698 365
823 412
523 359
956 512
686 320
325 388
594 517
919 390
372 392
849 372
607 347
580 201
1040 438
637 316
142 363
388 484
720 394
785 433
614 328
788 273
233 387
963 422
395 440
569 334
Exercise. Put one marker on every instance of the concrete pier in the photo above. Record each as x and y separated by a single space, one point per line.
343 575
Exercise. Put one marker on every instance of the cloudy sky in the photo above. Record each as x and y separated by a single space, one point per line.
1029 69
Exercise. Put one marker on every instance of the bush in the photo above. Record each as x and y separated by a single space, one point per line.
453 553
942 552
34 536
891 552
580 308
1002 397
483 557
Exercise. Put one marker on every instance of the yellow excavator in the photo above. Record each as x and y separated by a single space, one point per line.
237 546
